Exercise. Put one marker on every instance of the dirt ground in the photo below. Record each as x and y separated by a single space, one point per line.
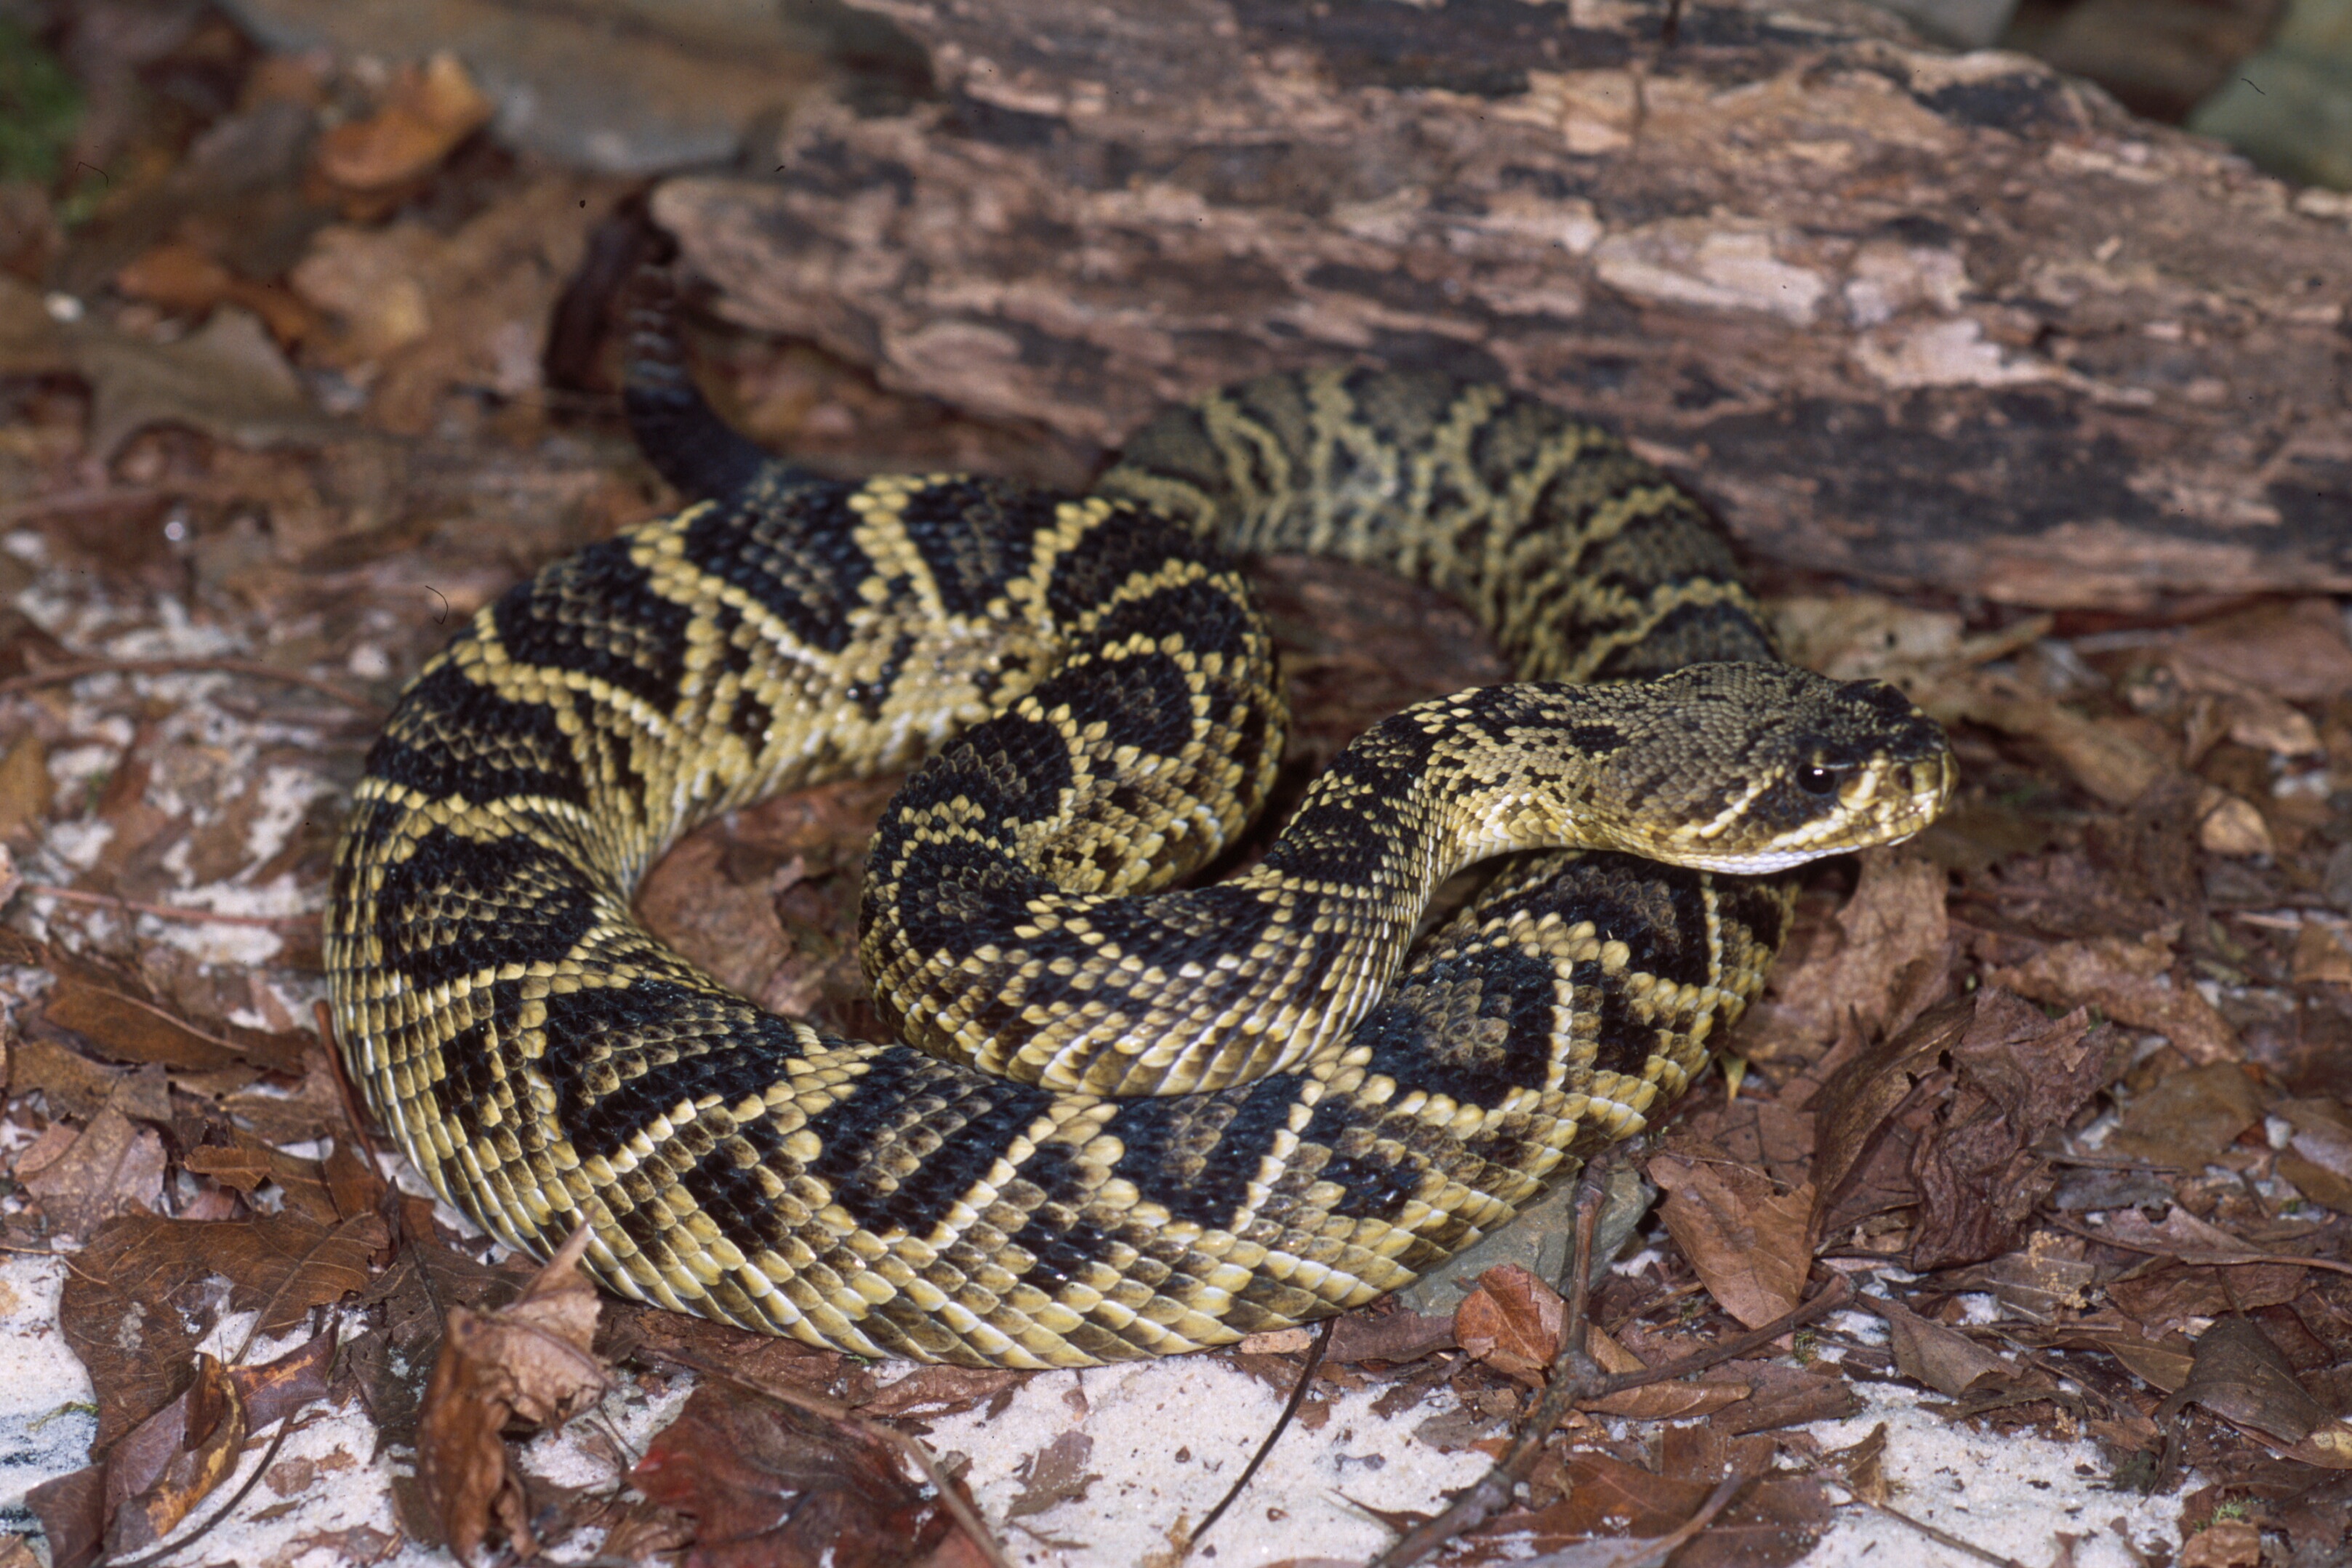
2058 1097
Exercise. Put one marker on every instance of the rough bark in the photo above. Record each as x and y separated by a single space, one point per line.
1919 317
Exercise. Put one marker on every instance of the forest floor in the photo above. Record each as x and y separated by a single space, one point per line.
2061 1091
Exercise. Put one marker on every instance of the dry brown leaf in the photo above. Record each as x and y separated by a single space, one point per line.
72 1512
73 1084
173 1460
2018 1078
117 1312
1511 1321
1053 1475
184 278
1865 1465
2323 955
2230 824
116 1165
1871 1111
1749 1242
433 311
2103 755
25 787
769 1485
1673 1400
530 1362
131 1027
1858 636
1773 1522
227 379
1946 1360
2319 1158
2133 983
2239 1375
1896 920
2224 1544
427 112
2296 652
2188 1118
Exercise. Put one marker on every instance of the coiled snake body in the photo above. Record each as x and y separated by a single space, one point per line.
1307 1113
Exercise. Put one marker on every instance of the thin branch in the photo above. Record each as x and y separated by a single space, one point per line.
2216 1257
1281 1423
285 1426
253 669
167 911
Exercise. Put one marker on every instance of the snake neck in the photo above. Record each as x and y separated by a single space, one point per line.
1251 977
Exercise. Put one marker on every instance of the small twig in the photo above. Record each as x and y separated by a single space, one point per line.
966 1516
1834 1296
1572 1377
2200 1259
253 669
1281 1423
1493 1492
1666 1298
285 1426
167 911
1940 1537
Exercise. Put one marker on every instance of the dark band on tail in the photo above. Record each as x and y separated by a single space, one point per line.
675 426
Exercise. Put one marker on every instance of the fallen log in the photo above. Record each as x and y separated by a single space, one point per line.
1922 319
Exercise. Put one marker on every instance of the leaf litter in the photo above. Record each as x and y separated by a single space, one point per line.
2060 1087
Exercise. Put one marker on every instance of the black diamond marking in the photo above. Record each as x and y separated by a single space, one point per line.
973 1121
975 536
470 1079
450 736
1144 700
1372 1185
1469 1028
1211 618
869 696
619 1057
1198 1153
1012 769
1625 1041
597 614
1091 571
949 894
797 556
725 1184
456 907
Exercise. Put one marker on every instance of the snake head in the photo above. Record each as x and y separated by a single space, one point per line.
1755 768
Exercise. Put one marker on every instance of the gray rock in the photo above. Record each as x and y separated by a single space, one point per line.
1540 1240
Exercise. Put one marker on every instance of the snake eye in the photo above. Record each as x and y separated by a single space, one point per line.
1817 779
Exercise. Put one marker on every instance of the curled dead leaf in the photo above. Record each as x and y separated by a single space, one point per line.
428 110
2132 981
173 1460
1511 1321
532 1362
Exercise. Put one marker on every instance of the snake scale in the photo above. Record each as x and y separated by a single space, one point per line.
1311 1106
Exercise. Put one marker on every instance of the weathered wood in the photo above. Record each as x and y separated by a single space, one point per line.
1927 318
